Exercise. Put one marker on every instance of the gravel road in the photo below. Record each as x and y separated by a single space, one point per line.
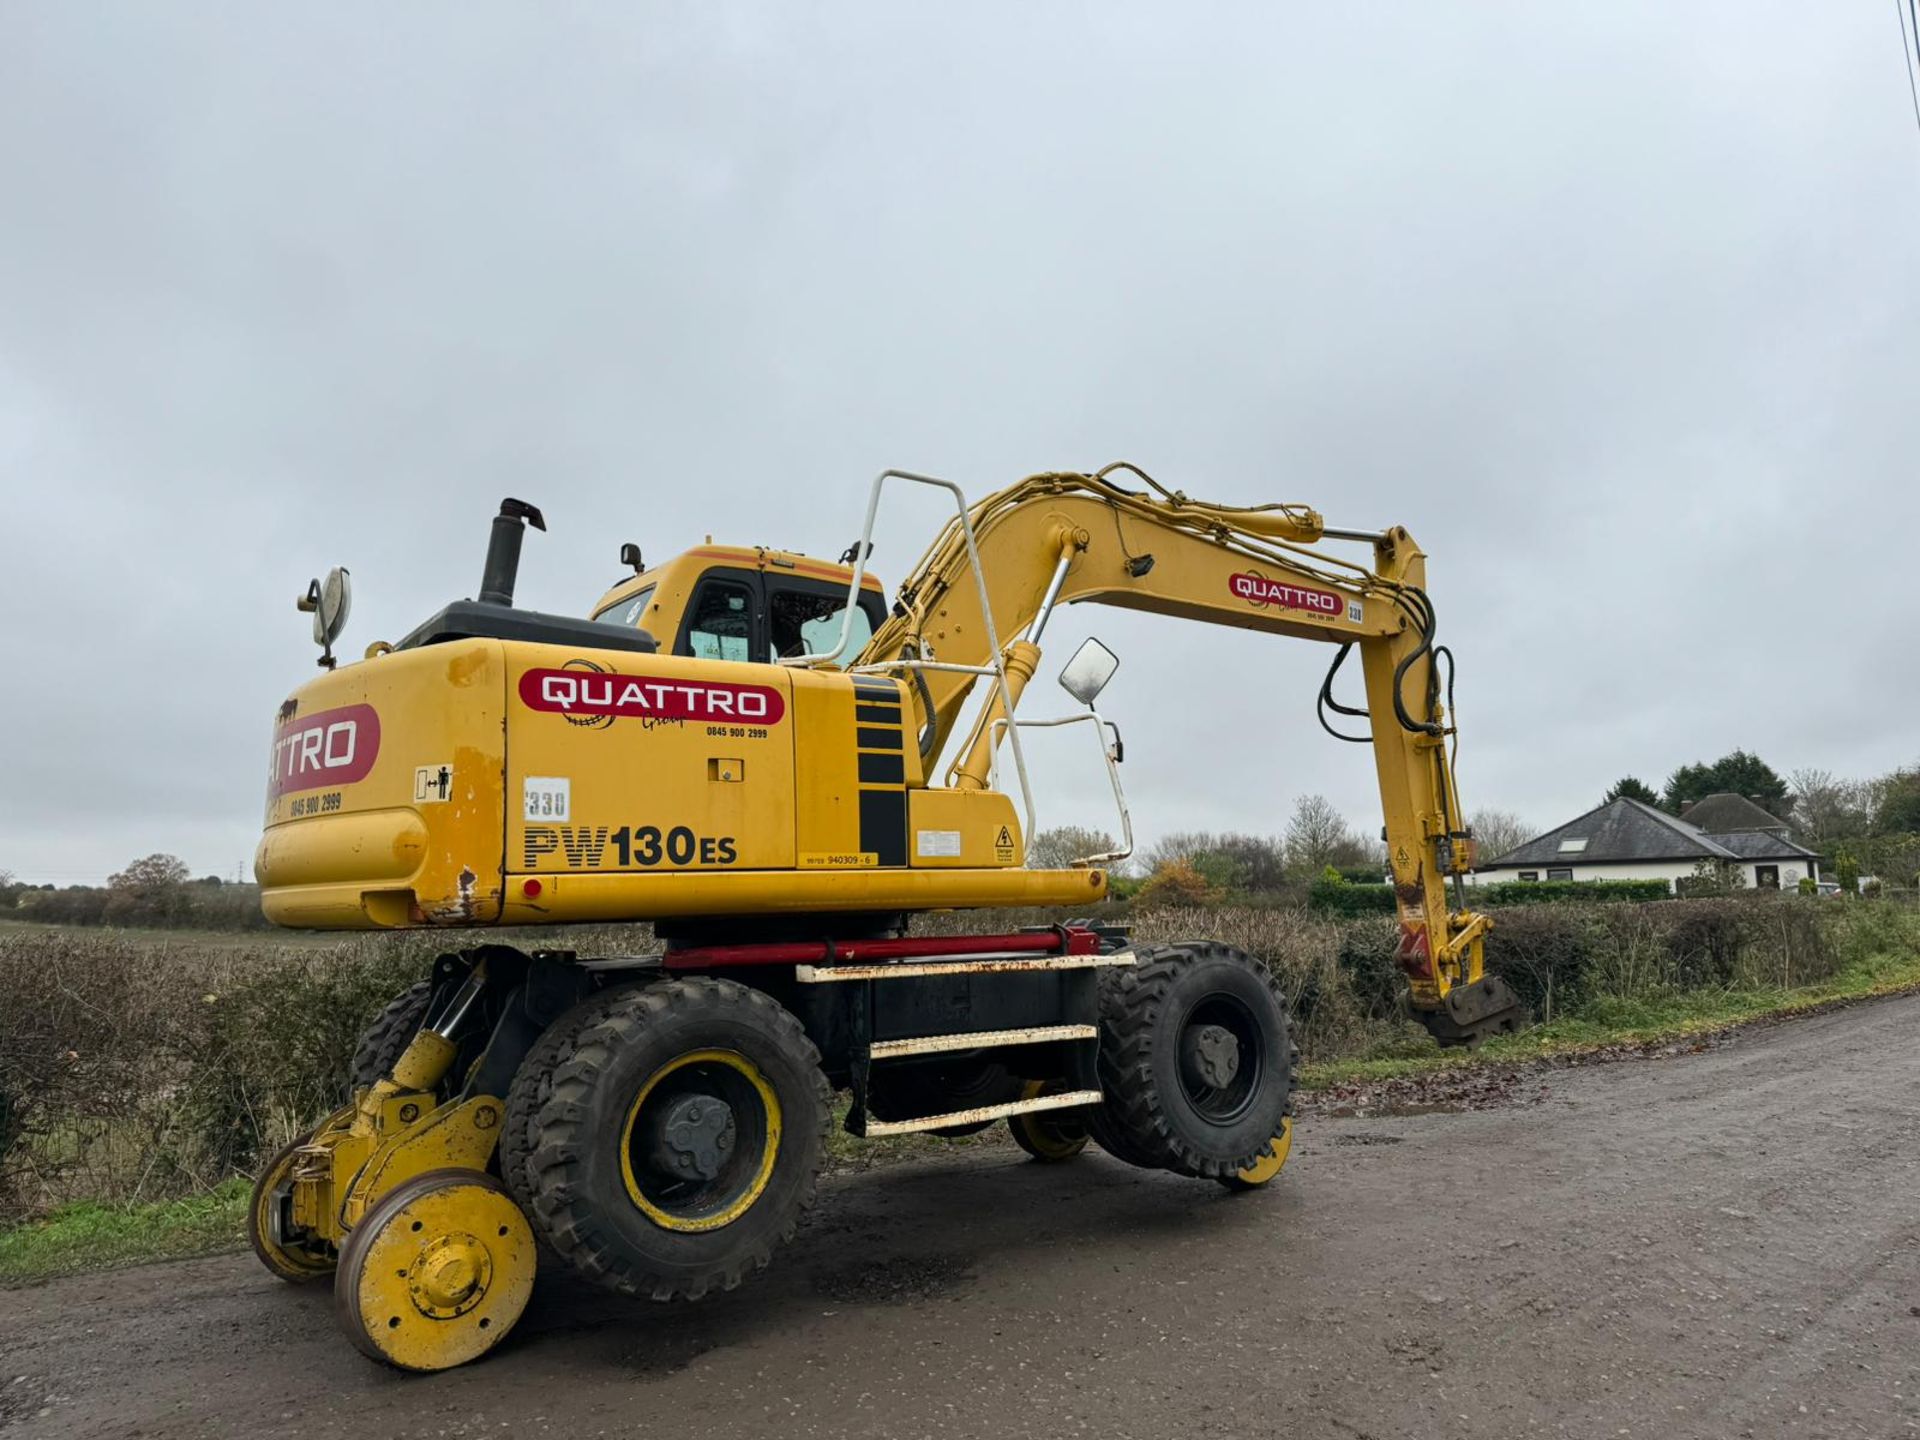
1723 1243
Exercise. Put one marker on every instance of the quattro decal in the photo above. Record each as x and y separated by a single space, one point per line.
590 694
1263 593
329 747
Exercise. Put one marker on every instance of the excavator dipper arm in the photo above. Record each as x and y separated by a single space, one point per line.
1069 537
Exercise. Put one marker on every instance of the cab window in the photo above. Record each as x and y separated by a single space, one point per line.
720 624
806 619
626 613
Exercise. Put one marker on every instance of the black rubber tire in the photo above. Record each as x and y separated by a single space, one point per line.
532 1087
1101 1123
387 1038
580 1201
1145 1012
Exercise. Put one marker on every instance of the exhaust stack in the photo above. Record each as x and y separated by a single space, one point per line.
503 550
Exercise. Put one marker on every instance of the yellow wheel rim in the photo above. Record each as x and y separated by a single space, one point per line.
437 1273
688 1081
1261 1171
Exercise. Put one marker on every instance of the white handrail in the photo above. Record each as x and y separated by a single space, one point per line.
997 670
1101 726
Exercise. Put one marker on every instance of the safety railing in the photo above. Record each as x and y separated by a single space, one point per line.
1108 753
997 671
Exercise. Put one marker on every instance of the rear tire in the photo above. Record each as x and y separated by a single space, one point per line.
387 1038
682 1138
1195 1059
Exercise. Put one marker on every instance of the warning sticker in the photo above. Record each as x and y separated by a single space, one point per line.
937 844
1003 846
547 797
432 784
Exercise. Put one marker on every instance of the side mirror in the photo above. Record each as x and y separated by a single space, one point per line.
1087 673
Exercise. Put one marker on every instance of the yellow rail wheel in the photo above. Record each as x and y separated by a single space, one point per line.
437 1272
1047 1135
270 1227
681 1139
1267 1166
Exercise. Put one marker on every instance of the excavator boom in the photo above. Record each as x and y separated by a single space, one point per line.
1063 538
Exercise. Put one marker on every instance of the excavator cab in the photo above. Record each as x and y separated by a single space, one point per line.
744 603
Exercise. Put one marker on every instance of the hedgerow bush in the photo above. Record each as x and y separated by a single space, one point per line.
144 1067
137 1070
1560 892
1337 895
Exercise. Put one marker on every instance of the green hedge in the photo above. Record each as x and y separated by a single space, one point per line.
1342 897
1352 901
1559 892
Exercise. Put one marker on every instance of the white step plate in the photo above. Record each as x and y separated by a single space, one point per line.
1007 963
979 1040
1067 1101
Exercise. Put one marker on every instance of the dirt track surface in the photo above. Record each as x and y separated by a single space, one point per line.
1717 1244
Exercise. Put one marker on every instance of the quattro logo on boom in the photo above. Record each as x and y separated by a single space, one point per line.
583 692
1259 590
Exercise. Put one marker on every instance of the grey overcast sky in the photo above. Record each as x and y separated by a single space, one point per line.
1614 306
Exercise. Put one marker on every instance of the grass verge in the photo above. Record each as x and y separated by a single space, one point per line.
89 1236
1605 1025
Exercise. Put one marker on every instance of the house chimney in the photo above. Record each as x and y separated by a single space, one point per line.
1686 807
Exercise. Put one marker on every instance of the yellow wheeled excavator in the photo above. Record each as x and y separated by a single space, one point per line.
744 746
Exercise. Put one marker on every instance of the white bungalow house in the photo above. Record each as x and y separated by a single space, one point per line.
1626 840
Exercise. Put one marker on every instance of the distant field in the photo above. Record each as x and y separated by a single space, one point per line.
172 939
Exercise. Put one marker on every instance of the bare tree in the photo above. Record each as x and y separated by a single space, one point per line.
1319 836
1826 807
1232 862
1499 831
1179 845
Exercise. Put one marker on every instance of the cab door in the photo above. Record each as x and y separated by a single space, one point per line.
726 619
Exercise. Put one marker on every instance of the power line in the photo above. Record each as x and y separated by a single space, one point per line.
1909 50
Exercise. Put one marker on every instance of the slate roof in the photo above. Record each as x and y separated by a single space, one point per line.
1620 832
1727 813
1764 845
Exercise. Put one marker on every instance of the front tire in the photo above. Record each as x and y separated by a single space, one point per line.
387 1038
681 1139
1196 1063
